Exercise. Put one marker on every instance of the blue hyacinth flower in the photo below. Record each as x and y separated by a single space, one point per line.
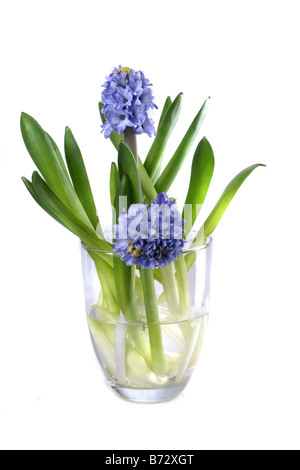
150 237
127 98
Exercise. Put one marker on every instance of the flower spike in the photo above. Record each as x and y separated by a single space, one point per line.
127 98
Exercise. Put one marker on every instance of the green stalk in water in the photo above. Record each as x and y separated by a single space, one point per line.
170 288
159 362
184 287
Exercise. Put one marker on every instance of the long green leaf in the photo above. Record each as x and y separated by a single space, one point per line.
128 166
123 279
42 203
224 201
215 216
167 104
114 182
123 197
122 272
115 138
63 213
154 158
147 185
68 221
171 171
54 212
48 160
59 155
159 362
80 178
107 279
201 175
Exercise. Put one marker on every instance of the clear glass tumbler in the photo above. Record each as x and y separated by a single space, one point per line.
149 361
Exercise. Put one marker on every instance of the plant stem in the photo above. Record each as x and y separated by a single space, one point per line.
184 287
194 343
130 139
159 362
188 351
106 277
170 289
120 350
137 371
127 300
147 185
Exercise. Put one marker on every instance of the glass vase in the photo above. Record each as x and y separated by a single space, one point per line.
148 361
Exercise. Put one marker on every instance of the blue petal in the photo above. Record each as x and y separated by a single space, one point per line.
130 95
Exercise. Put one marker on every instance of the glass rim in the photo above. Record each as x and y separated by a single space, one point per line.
186 251
145 323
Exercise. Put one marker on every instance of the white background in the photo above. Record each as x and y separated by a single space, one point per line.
54 58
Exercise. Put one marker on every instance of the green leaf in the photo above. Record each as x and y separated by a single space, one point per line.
48 160
224 201
167 104
62 213
69 221
59 155
124 283
107 279
115 138
42 203
159 362
80 178
52 210
114 182
215 216
171 171
123 278
147 185
154 158
123 196
128 166
201 175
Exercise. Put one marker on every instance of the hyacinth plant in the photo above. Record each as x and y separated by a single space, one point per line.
150 232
